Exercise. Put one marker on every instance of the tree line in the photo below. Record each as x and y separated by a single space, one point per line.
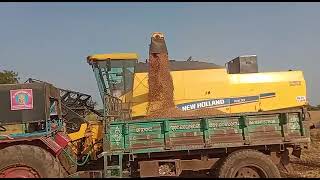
9 77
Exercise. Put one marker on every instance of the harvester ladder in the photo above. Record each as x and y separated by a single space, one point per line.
113 166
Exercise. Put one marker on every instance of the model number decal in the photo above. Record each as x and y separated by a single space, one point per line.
294 83
301 99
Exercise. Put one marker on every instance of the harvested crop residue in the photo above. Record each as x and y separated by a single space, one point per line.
160 83
177 113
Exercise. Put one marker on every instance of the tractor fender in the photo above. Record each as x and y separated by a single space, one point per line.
56 144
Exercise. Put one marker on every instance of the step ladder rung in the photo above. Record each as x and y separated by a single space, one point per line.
113 167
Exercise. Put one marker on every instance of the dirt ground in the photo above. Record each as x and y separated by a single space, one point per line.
309 164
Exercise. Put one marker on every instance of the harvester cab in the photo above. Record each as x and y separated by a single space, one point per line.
114 74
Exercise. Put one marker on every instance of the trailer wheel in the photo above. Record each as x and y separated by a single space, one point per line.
26 161
248 164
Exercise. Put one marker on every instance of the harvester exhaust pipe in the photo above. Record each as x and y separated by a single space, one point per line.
158 44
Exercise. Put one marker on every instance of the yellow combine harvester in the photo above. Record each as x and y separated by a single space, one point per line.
237 88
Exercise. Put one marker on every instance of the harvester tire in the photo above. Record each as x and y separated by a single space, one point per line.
248 163
27 161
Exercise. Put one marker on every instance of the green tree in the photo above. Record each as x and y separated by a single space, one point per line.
8 77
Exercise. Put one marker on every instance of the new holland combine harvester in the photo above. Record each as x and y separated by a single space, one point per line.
43 134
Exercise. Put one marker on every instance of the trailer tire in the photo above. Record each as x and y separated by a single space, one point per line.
248 163
27 161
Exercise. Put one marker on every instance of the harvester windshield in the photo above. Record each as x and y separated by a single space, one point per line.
121 77
114 72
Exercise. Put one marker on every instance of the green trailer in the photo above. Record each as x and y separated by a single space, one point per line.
234 145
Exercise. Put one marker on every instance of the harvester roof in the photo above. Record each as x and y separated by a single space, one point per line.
113 56
181 66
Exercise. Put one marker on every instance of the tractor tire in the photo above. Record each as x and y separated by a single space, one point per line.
248 164
27 161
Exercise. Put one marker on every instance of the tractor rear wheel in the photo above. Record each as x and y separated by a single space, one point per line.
27 161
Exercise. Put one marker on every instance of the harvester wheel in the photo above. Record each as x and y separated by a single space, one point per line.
248 164
27 161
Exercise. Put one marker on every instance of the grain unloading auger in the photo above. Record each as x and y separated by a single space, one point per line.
158 44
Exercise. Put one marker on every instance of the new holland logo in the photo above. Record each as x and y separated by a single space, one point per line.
201 104
223 102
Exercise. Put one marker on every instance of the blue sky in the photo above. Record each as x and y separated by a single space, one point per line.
50 41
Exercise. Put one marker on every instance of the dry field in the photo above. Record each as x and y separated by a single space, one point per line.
309 164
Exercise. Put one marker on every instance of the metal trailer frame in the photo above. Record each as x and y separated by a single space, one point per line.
208 149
